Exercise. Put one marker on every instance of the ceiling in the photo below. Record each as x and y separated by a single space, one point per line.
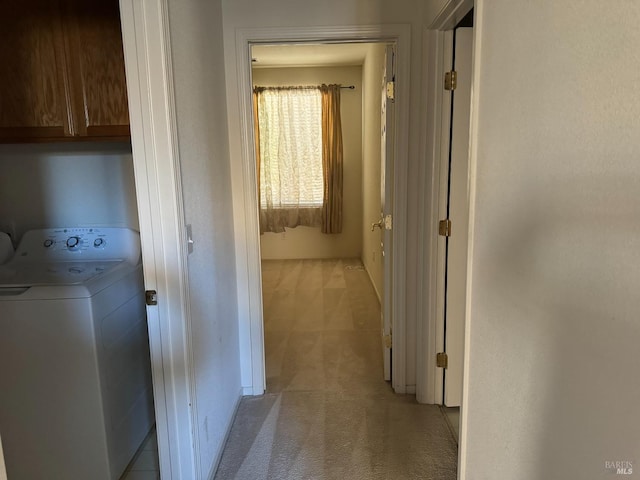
308 55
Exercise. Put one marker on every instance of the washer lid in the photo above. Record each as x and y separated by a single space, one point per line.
31 274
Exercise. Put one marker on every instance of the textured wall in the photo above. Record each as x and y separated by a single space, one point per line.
63 184
554 332
308 242
196 36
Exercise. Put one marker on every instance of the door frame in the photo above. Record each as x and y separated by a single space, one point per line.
437 44
429 378
457 203
156 166
247 227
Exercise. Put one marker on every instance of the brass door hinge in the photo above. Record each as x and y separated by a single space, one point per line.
450 80
442 360
151 297
391 90
444 228
388 340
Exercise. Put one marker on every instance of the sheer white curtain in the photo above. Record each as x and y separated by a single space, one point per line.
290 149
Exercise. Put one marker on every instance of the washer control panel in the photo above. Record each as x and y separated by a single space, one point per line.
74 239
78 243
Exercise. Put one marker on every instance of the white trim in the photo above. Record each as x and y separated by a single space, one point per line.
216 463
473 162
249 279
451 13
427 377
423 234
442 193
375 288
251 306
247 391
158 187
438 46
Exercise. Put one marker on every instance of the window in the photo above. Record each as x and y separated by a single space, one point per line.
290 125
298 135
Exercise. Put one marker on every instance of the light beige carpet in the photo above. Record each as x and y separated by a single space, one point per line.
328 413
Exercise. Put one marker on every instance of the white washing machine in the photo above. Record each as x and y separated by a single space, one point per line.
75 377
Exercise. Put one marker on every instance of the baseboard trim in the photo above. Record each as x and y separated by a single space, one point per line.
372 283
216 463
249 392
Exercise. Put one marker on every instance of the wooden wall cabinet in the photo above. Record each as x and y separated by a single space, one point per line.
62 71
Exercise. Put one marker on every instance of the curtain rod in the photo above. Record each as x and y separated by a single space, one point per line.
349 87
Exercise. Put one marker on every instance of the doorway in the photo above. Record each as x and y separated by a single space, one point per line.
248 260
357 254
457 209
447 138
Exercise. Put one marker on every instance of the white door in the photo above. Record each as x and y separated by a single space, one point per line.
386 182
159 193
458 213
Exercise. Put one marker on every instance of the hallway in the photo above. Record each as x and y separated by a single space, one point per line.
327 413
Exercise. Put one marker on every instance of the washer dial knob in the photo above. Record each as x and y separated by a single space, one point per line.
73 243
99 243
48 243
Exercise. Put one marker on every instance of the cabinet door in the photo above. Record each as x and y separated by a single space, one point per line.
34 100
96 68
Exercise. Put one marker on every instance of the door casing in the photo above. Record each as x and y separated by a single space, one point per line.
458 213
387 133
247 232
437 45
147 53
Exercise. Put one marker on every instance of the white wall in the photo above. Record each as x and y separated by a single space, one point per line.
66 184
195 29
310 242
553 349
239 14
372 72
